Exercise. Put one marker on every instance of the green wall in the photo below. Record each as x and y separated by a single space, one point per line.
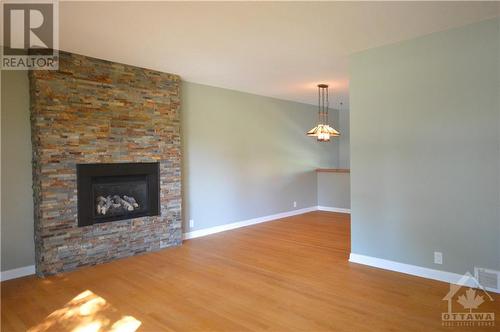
425 123
17 196
344 160
247 156
334 190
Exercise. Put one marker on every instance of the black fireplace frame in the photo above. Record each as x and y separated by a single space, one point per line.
85 174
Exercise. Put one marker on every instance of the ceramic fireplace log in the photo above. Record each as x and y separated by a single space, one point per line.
131 200
104 204
118 200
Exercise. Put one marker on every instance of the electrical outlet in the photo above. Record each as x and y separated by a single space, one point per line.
191 223
294 204
438 257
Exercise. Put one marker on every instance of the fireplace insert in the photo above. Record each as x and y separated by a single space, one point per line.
110 192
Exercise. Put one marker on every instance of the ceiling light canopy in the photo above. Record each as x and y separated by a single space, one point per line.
323 131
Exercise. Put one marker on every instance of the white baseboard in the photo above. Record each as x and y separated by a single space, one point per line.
227 227
414 270
17 273
333 209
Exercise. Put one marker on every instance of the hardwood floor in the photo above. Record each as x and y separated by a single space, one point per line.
286 275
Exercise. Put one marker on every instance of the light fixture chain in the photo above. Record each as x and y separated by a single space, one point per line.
327 105
319 105
323 104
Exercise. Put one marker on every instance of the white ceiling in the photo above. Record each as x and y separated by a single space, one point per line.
279 49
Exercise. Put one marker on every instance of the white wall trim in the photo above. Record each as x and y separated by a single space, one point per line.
17 273
227 227
419 271
333 209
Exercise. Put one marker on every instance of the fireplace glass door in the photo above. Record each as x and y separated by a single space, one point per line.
109 192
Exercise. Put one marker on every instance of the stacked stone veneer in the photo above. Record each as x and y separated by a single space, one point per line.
96 111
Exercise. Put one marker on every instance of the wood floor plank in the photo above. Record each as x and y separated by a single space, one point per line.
291 274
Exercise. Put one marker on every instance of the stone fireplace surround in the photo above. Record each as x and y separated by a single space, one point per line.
96 111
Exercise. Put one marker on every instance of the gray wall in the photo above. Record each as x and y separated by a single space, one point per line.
425 144
17 196
247 156
334 190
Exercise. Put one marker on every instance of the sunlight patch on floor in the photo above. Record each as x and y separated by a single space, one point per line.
127 323
87 312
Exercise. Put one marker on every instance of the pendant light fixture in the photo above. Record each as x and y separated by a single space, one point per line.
323 131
